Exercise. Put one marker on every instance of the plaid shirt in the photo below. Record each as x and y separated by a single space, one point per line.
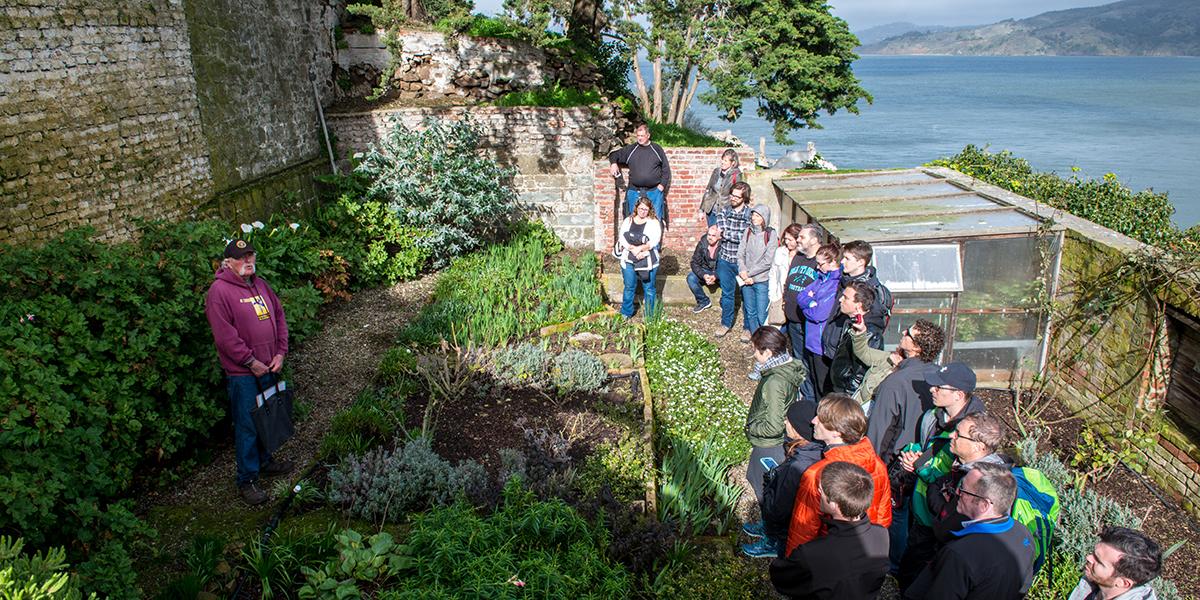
733 225
775 361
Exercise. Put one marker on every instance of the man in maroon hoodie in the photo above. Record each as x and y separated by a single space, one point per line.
251 335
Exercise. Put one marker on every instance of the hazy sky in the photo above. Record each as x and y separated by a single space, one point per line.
861 14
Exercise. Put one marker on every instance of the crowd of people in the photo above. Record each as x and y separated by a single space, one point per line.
864 462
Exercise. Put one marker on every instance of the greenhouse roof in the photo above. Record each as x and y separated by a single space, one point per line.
913 204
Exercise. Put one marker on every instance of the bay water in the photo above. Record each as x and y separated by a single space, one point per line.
1137 117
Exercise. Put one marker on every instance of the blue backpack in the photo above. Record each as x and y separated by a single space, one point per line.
1037 508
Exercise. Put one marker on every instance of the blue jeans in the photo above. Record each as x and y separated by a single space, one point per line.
727 276
710 218
242 389
754 305
898 534
656 200
649 291
698 290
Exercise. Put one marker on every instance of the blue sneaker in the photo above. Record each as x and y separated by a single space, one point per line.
754 530
763 548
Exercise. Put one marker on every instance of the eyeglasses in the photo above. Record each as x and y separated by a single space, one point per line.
738 196
945 388
960 491
960 436
907 332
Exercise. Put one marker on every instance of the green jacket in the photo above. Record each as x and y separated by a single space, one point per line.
877 363
775 393
935 440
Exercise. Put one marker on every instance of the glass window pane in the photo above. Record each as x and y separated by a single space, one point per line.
1002 273
921 302
996 344
919 267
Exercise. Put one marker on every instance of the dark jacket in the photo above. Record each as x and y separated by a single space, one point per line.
782 483
801 273
702 263
648 166
848 563
247 321
900 400
988 560
776 391
716 193
846 370
875 319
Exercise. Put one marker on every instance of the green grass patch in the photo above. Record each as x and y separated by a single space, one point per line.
554 96
671 135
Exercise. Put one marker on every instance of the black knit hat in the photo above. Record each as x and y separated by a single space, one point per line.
800 414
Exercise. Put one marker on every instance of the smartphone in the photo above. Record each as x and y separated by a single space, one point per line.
768 462
858 319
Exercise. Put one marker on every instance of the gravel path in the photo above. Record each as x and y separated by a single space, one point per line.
327 371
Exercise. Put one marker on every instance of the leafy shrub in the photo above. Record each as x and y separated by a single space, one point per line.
523 365
370 236
694 489
556 95
356 429
685 374
42 576
384 485
578 371
436 181
526 548
372 561
507 292
622 466
1144 215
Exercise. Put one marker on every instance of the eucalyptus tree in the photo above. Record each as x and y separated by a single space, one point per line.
792 57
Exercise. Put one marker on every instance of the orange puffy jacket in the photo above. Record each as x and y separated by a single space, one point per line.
806 513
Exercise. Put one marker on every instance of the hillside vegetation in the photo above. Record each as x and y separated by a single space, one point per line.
1126 28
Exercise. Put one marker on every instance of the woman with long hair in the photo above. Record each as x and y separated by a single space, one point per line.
637 248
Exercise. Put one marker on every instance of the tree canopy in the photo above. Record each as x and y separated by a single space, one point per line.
793 57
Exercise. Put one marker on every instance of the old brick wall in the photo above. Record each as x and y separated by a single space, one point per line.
155 109
553 150
690 170
1113 367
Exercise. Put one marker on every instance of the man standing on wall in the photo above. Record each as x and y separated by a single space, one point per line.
251 336
649 171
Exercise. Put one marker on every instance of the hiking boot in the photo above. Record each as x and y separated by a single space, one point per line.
252 494
763 548
754 529
745 339
699 308
722 331
276 468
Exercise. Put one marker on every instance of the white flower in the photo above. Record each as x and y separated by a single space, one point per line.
294 226
258 224
246 228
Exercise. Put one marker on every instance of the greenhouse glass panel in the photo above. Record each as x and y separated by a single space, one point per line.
900 322
919 268
1001 273
995 345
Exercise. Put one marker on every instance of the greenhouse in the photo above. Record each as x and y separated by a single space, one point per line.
967 261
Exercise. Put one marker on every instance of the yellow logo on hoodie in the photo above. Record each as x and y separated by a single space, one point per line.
260 307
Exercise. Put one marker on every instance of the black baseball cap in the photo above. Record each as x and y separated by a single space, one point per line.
956 375
238 249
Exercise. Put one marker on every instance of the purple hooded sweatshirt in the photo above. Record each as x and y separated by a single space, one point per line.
816 302
247 321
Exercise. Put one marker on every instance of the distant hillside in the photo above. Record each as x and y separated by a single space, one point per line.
1126 28
879 33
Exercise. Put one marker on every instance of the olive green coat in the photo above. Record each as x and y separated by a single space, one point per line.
877 363
776 391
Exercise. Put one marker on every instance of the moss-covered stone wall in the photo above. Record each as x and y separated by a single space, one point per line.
114 111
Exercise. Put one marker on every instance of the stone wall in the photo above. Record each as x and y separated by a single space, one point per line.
462 69
153 109
553 150
690 170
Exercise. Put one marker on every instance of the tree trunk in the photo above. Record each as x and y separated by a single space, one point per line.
657 114
688 97
643 95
